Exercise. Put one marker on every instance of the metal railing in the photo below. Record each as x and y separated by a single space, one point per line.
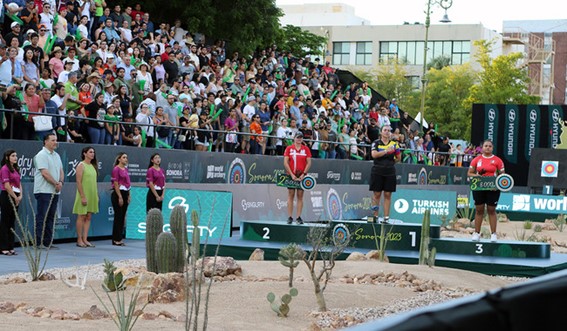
408 155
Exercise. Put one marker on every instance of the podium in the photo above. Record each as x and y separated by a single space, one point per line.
505 257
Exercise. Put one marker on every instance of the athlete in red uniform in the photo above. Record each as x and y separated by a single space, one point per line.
486 164
297 161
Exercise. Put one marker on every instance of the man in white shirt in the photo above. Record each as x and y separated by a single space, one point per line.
83 27
71 58
248 111
126 32
103 51
60 99
5 66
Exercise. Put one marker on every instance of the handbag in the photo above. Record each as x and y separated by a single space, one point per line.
181 138
231 138
42 123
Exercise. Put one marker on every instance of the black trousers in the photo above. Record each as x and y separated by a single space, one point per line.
119 214
151 201
7 222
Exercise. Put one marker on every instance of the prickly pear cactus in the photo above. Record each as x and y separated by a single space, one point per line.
281 307
290 256
112 281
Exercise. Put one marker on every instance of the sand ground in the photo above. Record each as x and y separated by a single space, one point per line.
241 304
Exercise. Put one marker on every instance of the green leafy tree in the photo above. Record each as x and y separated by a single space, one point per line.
244 24
300 42
446 90
502 79
391 80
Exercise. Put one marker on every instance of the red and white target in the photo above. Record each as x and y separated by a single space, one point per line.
549 168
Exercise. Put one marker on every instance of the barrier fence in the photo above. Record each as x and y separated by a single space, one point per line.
409 156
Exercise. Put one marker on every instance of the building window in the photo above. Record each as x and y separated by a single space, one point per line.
364 53
341 53
411 52
388 51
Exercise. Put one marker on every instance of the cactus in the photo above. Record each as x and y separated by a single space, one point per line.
112 281
290 256
166 253
431 257
178 223
195 242
282 307
154 227
426 256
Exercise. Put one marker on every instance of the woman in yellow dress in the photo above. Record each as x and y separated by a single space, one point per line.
86 199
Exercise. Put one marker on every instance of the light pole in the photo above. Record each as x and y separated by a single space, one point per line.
445 4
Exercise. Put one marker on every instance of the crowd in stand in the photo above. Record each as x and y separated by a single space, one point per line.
115 77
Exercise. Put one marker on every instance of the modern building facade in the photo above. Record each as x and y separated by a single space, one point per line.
354 44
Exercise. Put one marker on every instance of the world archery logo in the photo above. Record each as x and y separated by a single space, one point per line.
237 172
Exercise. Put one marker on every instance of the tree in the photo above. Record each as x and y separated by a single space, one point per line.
439 62
446 90
501 80
391 80
300 42
244 24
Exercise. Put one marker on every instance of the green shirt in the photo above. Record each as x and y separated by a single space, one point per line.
73 92
50 161
99 10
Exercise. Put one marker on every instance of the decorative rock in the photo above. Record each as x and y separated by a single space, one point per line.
144 279
47 276
58 314
167 288
225 265
356 256
95 313
16 280
149 316
72 316
257 255
166 314
7 307
376 255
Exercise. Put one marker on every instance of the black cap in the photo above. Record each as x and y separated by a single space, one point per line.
299 134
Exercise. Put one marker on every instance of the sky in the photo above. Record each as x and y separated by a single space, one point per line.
490 13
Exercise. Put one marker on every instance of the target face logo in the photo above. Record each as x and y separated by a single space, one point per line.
334 206
341 235
308 183
237 172
504 182
549 169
